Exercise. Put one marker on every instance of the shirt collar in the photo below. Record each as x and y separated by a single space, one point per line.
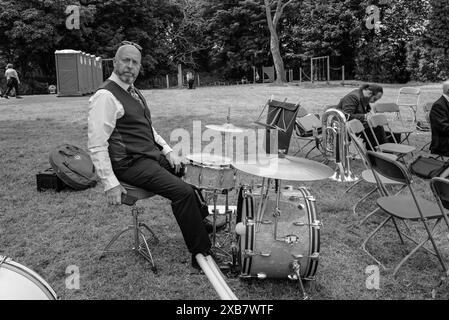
114 77
446 96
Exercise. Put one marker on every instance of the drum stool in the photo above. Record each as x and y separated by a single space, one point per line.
133 195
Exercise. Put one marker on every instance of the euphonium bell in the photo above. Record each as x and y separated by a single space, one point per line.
336 144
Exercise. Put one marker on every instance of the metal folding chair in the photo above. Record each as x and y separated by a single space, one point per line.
404 208
401 150
308 128
408 97
427 107
396 122
355 128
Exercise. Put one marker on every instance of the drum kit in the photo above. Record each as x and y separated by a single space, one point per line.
274 231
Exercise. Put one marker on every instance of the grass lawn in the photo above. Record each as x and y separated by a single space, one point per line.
47 232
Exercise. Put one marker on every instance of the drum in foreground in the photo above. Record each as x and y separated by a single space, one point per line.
17 282
206 171
298 237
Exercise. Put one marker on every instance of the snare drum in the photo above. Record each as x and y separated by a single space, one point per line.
17 282
298 236
206 171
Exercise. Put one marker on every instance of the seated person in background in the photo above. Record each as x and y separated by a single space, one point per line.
439 123
356 104
125 147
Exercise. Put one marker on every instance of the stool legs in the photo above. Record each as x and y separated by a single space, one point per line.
141 248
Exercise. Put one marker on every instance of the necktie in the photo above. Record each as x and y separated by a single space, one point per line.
133 93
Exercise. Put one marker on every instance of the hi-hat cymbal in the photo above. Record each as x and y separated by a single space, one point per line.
285 168
227 128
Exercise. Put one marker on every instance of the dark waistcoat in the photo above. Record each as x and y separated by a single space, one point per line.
133 136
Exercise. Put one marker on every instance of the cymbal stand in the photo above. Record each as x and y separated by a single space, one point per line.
277 212
215 243
263 202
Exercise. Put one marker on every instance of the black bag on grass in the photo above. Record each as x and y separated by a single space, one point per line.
428 168
73 166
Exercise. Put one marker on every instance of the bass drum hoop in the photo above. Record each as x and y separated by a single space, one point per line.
30 275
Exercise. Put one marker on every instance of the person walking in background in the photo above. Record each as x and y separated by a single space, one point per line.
190 79
12 81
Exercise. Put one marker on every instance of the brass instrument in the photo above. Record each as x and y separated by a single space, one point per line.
335 144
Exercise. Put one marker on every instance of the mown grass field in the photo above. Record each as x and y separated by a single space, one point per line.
49 231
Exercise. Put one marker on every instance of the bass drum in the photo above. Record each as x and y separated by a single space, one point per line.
17 282
298 236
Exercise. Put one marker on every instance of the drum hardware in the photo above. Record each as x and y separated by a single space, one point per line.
317 224
249 253
315 256
290 239
296 275
259 276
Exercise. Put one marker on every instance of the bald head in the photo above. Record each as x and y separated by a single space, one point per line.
127 63
125 49
446 87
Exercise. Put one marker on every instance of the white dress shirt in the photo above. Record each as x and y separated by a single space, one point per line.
104 110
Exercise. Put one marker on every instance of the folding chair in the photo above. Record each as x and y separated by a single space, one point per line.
408 97
401 150
427 108
308 128
397 123
355 128
405 208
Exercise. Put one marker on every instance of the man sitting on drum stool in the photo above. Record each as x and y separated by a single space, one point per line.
124 146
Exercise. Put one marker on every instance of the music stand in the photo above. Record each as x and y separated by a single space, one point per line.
279 123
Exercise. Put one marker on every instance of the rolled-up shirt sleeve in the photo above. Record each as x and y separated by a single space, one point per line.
103 114
160 141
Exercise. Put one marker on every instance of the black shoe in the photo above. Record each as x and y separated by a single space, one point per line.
6 97
210 227
19 97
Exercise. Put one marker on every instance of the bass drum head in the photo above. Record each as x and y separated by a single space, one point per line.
274 258
20 283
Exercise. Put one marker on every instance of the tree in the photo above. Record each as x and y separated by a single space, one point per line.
278 6
237 38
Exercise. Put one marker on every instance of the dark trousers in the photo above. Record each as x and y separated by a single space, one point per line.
191 82
12 83
158 177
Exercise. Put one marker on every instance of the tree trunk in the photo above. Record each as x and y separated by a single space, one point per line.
274 39
277 59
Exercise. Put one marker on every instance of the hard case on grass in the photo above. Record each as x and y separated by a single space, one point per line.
48 180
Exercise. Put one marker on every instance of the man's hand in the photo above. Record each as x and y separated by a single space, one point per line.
174 161
114 195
